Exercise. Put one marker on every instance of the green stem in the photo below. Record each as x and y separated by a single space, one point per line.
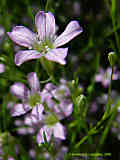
108 109
109 96
48 67
108 125
112 12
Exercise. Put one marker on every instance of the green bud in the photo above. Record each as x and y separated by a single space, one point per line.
76 89
81 100
112 58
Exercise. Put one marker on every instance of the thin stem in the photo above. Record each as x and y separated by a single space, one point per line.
108 109
109 96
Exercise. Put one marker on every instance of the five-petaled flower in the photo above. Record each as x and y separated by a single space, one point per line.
30 99
44 42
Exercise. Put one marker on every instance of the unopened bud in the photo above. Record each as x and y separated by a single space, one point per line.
81 100
112 58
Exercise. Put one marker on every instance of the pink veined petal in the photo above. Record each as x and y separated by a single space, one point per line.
45 23
64 109
28 120
50 103
40 21
33 82
22 36
57 55
72 30
49 87
46 92
19 90
40 136
23 56
37 113
50 25
59 131
19 109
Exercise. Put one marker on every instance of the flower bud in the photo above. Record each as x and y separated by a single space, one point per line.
112 58
81 100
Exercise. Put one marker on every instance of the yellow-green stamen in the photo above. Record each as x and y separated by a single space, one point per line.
34 99
43 46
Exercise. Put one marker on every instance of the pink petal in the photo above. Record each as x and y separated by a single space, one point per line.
40 136
59 131
58 55
72 30
23 56
98 78
20 109
11 158
50 25
45 24
2 68
28 120
37 112
64 109
36 116
33 82
22 36
106 82
19 90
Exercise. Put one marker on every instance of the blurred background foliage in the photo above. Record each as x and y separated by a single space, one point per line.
87 53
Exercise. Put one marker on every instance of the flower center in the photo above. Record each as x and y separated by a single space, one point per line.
43 46
51 119
34 99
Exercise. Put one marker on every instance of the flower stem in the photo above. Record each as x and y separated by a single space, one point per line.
48 67
109 96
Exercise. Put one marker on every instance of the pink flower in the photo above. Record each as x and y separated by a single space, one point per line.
104 76
44 42
58 106
31 99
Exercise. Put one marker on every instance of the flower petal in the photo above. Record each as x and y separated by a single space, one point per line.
25 131
23 56
59 131
45 24
72 30
50 25
37 112
33 82
19 109
58 55
2 68
64 109
19 90
35 117
48 132
22 36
